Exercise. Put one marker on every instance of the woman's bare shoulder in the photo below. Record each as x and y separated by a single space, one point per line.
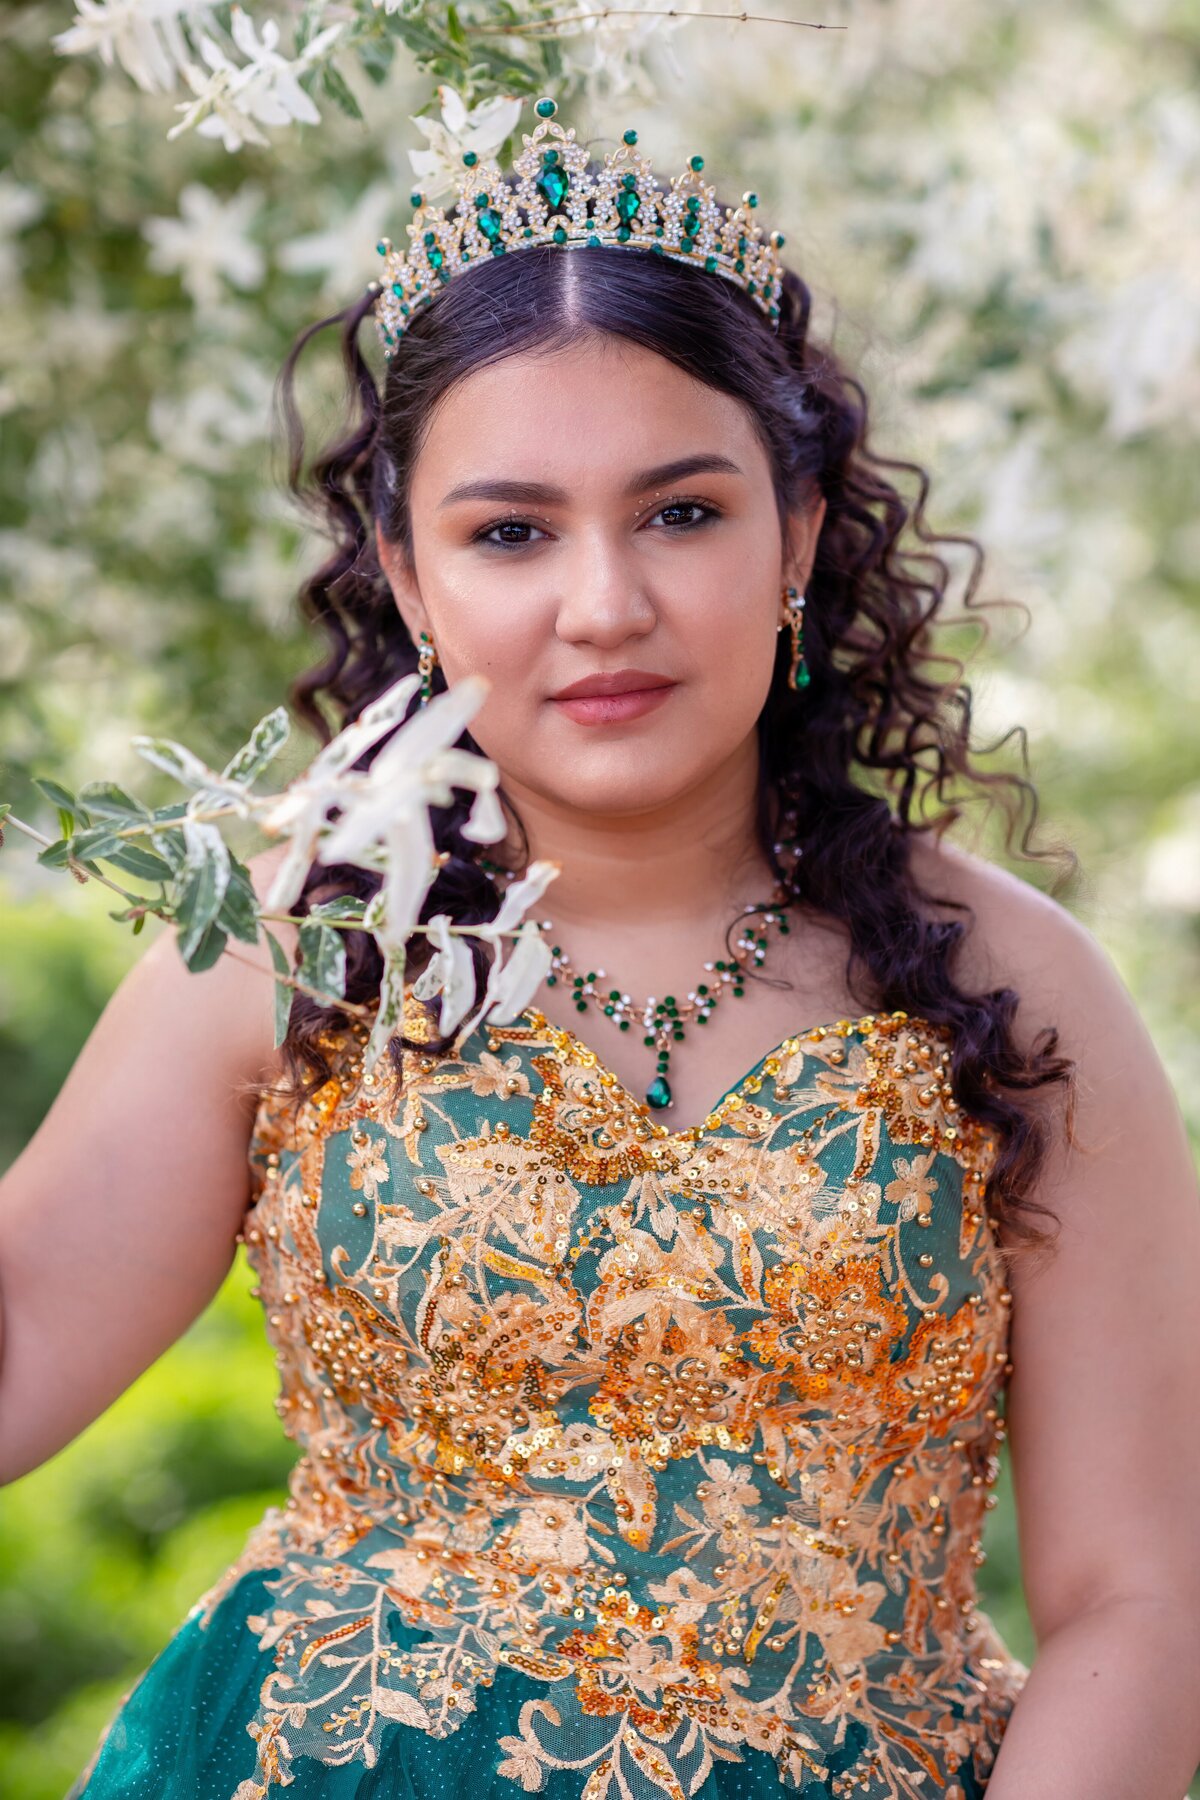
1022 938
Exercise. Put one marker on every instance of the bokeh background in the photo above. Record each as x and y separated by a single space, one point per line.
995 202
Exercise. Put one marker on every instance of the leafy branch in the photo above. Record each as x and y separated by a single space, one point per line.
382 825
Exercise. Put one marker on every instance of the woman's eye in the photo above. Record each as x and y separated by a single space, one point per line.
513 528
505 525
686 506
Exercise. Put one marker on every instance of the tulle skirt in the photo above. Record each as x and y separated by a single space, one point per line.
181 1732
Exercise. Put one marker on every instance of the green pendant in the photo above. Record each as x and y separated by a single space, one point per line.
658 1094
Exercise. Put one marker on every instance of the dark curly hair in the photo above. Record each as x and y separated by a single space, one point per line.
857 756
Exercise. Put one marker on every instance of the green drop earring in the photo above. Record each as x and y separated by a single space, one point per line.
799 674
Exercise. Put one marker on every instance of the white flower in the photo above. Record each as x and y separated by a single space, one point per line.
19 206
144 36
265 88
511 984
384 823
483 129
618 45
207 241
513 980
450 972
346 243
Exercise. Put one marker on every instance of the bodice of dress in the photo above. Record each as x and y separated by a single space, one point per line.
694 1430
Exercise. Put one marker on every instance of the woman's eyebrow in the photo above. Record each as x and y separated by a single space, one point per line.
533 493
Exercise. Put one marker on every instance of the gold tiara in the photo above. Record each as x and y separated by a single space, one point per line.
556 200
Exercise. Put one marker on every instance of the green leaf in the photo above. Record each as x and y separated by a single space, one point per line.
322 959
335 86
54 856
175 759
454 25
376 54
136 859
345 906
207 950
239 909
283 993
205 880
61 796
391 1009
105 800
264 743
97 841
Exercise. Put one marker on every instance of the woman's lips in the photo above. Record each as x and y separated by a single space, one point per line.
613 709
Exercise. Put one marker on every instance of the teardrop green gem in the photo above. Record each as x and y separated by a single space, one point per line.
489 222
628 206
553 184
658 1094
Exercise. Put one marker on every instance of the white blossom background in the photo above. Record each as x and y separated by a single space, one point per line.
995 202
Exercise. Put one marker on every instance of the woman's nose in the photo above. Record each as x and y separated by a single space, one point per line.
604 599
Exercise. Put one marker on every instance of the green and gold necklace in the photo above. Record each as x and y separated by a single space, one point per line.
663 1021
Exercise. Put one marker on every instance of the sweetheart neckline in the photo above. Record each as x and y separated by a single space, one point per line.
537 1022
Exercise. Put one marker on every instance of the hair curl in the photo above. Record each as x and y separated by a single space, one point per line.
858 755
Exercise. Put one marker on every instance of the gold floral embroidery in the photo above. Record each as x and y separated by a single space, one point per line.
695 1429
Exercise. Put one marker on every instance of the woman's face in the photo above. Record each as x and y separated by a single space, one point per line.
598 512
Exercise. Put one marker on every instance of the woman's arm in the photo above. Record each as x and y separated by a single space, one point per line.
118 1220
1103 1404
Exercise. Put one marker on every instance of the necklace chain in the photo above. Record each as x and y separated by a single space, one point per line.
664 1021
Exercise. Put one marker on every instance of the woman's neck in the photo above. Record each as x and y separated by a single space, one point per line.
697 856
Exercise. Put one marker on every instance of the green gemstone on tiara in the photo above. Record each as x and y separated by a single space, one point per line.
560 236
416 198
629 137
490 223
470 157
697 163
382 246
546 108
552 183
750 199
710 263
628 206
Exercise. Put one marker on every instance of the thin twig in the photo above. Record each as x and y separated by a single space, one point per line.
77 869
302 987
545 27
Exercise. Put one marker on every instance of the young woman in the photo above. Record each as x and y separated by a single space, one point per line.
649 1357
